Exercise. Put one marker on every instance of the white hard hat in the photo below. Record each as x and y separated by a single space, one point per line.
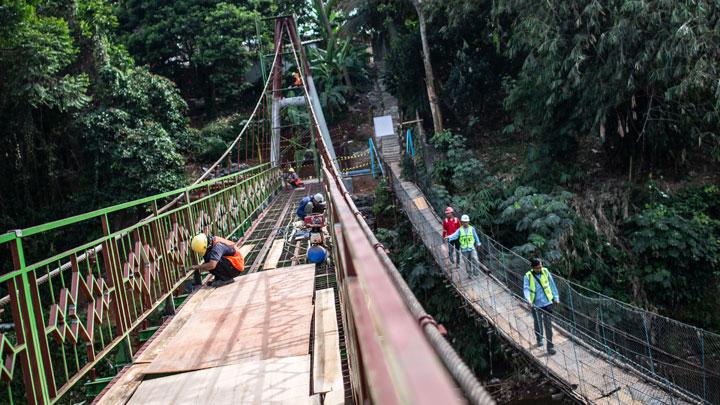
318 197
465 218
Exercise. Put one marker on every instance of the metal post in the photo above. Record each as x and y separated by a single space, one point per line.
276 97
702 362
372 157
572 309
36 382
607 350
647 343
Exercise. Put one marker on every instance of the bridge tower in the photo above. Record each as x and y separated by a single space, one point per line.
286 24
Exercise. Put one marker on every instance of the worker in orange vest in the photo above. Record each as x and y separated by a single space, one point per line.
297 80
293 179
220 257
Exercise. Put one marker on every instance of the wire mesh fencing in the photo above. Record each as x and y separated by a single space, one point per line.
607 350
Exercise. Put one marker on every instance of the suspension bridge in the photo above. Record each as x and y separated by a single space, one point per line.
118 312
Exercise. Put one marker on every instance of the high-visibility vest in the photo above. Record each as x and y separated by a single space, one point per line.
544 283
467 239
236 260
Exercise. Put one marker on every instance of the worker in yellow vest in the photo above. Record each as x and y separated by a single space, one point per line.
469 241
541 302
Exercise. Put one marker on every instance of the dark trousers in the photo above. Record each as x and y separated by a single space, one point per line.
454 253
543 317
224 270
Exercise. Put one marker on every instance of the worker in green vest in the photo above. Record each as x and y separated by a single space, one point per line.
541 294
469 241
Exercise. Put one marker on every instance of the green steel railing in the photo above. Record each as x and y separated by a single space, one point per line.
62 314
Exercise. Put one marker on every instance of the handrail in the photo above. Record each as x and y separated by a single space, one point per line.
26 232
101 295
360 256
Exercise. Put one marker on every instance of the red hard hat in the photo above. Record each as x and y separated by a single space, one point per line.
449 210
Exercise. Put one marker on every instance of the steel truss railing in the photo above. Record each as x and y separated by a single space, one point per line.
65 312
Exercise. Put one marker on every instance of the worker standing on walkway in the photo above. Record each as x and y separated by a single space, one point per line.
451 224
541 304
220 257
311 205
293 179
469 241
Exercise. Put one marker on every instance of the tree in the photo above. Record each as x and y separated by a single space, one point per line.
205 47
84 126
429 75
641 77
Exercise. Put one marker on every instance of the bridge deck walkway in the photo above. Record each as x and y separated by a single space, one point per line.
250 341
586 373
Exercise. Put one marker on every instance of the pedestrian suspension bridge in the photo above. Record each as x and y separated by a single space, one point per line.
116 314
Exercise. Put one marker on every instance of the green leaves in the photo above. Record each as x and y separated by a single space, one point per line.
34 59
206 47
541 220
677 244
329 67
630 71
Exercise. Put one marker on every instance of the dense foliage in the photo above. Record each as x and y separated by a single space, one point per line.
84 126
206 47
640 76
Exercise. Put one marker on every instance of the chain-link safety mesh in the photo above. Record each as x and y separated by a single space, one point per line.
607 349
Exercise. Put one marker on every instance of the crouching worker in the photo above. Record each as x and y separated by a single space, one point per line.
311 205
293 179
220 256
541 302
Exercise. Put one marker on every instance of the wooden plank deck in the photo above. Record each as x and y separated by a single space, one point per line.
327 370
586 373
260 315
271 381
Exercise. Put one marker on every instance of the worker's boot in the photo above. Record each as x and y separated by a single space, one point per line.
550 349
220 283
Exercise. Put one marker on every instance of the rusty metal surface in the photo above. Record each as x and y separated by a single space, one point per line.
261 315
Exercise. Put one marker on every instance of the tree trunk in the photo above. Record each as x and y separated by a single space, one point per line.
429 76
320 8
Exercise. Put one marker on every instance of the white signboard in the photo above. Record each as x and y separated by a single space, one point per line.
384 126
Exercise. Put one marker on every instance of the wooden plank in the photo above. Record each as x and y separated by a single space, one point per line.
274 381
327 370
420 203
158 343
260 316
122 390
274 255
282 284
245 249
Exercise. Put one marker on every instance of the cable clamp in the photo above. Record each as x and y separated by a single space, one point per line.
380 245
427 319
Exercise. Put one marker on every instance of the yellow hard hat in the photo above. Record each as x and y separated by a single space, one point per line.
199 243
291 170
